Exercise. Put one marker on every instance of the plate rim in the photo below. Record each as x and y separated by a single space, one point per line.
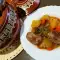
25 47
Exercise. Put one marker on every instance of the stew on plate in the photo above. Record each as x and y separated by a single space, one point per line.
45 32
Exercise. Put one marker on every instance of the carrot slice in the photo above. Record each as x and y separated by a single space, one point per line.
43 21
49 48
44 18
58 29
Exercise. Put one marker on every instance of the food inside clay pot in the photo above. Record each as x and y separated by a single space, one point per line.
10 25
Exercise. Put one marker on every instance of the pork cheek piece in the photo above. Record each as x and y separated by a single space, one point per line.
35 39
54 37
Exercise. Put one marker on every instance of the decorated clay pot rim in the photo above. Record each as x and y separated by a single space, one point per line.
29 6
21 2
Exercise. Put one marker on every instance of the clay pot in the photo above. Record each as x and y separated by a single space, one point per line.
10 25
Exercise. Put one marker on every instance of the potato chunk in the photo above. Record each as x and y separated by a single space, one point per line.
35 23
53 22
45 43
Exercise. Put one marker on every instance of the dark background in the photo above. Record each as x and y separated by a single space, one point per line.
23 55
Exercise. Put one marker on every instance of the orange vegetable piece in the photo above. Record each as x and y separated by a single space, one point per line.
53 22
43 21
50 48
58 29
44 18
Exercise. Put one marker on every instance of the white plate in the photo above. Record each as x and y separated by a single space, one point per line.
32 50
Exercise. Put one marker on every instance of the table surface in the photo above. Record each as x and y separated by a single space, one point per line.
23 55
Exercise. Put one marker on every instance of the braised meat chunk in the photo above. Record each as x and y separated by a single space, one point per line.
34 38
54 37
